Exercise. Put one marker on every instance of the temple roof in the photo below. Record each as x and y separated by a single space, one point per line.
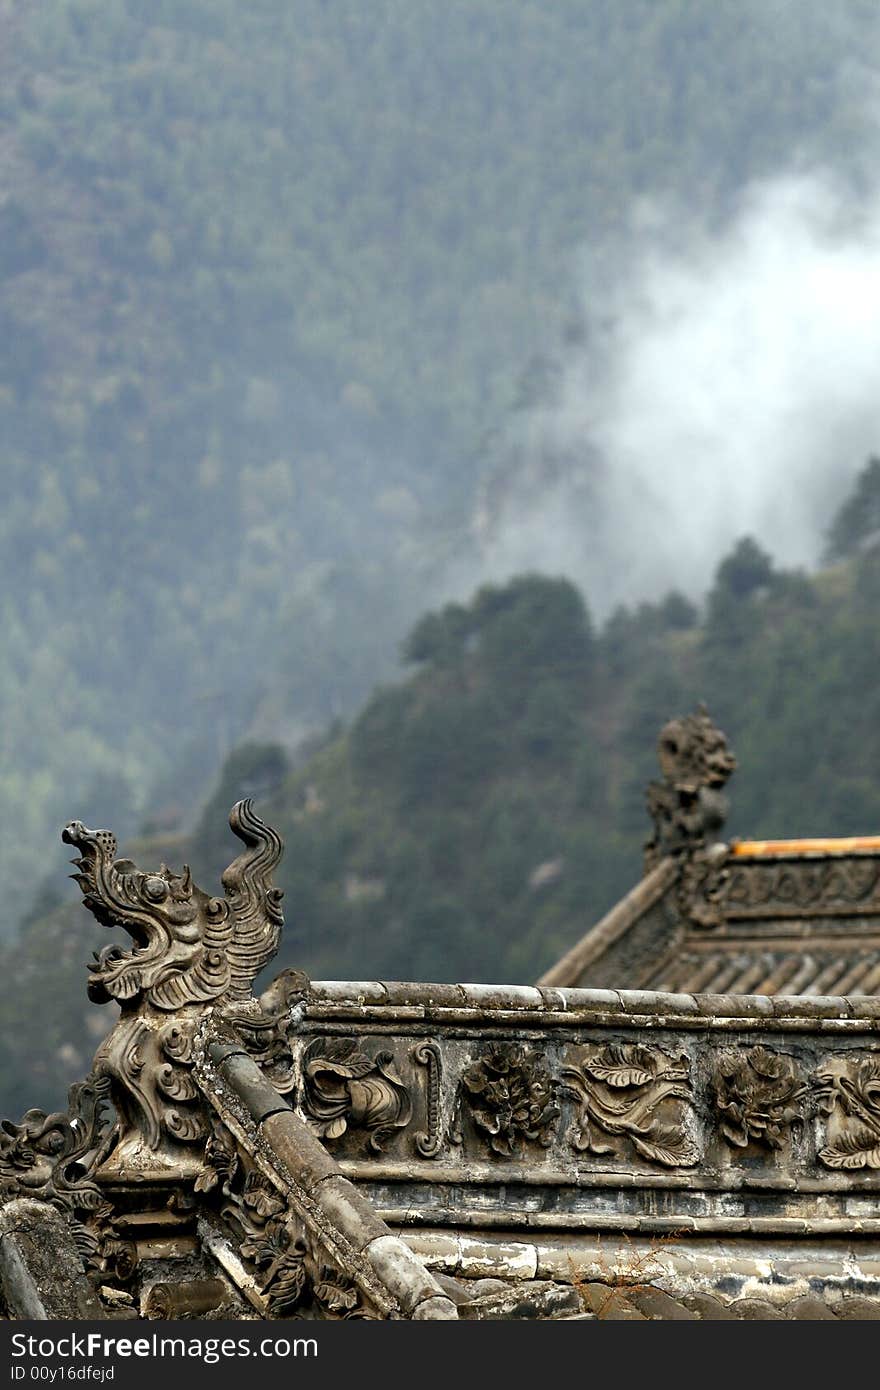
790 916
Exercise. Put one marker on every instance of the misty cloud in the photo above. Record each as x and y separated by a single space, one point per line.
730 384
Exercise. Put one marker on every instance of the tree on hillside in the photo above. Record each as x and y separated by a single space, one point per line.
857 523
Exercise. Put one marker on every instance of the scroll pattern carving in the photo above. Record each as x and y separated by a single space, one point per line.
343 1088
809 889
429 1142
53 1157
511 1098
759 1094
625 1090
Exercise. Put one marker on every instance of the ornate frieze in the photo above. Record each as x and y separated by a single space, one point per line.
636 1093
511 1099
759 1095
842 886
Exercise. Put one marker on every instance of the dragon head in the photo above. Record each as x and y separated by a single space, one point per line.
189 947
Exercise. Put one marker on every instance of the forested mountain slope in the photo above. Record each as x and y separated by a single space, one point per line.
478 815
269 274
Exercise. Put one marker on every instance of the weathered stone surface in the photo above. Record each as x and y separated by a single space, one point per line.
620 1309
857 1308
808 1308
708 1307
656 1304
256 1093
525 1300
402 1272
41 1274
300 1152
349 1211
435 1309
755 1309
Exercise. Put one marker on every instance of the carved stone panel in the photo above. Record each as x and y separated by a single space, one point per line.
759 1094
844 886
345 1088
511 1099
848 1092
635 1093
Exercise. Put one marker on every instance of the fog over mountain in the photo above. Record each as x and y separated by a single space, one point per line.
729 384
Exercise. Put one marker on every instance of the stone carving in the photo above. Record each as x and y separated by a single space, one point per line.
343 1088
688 810
189 948
636 1092
845 886
759 1095
52 1157
264 1029
687 807
190 951
221 1160
429 1142
511 1098
855 1088
291 1273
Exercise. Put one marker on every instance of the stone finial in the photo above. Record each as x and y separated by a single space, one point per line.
689 809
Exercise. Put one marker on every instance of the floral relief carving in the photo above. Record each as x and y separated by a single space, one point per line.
511 1099
292 1276
638 1093
851 1093
343 1088
759 1095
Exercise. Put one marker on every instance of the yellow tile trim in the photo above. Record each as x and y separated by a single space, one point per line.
859 844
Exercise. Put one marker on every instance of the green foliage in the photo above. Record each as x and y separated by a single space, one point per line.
857 522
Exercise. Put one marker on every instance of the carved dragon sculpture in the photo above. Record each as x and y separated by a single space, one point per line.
190 951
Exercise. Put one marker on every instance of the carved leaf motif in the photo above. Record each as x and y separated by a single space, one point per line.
335 1297
668 1146
620 1075
635 1092
860 1148
344 1088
